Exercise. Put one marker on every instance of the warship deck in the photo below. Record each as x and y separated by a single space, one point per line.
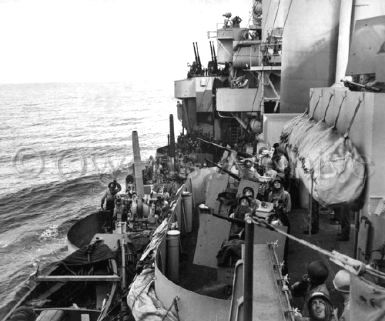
200 279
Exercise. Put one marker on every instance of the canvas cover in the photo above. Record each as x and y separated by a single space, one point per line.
367 300
320 154
142 298
143 302
90 254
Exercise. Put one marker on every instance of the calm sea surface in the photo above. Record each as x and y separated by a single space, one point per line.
60 144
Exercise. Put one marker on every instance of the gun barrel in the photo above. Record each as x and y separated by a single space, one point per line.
216 145
232 220
195 53
241 154
225 170
211 50
372 88
199 58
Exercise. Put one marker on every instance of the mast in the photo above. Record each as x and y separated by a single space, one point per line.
138 166
172 144
344 33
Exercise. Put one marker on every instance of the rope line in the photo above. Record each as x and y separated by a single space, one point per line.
267 14
276 13
339 111
354 266
287 15
354 116
327 107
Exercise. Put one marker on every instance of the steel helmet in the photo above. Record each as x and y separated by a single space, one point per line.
317 272
277 179
320 307
341 281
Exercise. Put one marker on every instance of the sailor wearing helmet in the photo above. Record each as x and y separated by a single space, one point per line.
312 282
240 212
341 283
281 200
320 307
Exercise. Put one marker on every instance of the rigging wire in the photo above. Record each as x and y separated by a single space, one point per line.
352 265
276 13
267 14
287 15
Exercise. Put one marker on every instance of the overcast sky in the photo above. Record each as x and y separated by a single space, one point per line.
106 40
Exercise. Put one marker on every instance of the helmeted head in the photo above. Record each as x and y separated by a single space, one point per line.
320 307
341 281
129 179
248 163
317 272
263 151
248 191
244 201
277 183
113 184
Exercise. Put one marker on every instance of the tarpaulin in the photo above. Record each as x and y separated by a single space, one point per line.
324 160
89 254
367 302
156 239
143 302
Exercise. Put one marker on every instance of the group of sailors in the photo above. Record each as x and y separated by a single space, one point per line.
312 286
275 206
129 207
318 305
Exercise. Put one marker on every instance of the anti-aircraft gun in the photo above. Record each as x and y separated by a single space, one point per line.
213 64
196 67
198 59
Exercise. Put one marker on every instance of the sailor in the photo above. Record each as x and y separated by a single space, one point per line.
227 21
249 192
341 283
312 282
236 21
118 210
343 215
314 218
320 307
129 184
280 163
249 172
134 206
116 188
109 197
242 209
281 200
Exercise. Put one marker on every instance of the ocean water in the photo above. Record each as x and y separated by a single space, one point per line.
60 145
